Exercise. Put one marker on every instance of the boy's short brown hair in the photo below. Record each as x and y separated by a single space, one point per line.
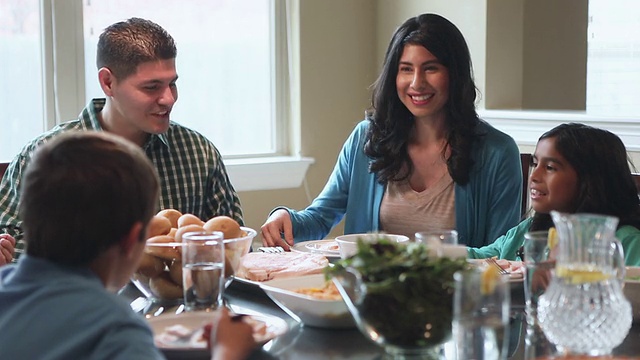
82 192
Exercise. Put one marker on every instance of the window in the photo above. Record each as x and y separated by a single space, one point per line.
232 64
21 91
613 62
225 65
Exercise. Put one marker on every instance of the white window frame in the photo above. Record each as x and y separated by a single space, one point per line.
526 126
62 35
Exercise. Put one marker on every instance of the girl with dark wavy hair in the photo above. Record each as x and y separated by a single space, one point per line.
422 160
577 169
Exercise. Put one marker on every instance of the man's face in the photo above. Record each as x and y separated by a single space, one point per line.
141 103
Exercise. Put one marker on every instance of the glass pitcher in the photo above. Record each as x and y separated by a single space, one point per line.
583 311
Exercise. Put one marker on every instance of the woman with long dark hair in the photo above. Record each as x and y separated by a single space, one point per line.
422 159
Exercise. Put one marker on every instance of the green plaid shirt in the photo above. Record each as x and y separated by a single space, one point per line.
193 178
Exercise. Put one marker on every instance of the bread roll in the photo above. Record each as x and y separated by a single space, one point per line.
163 287
150 265
172 232
175 272
171 214
189 219
159 225
229 227
185 229
164 252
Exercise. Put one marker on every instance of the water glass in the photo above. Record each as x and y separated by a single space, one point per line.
203 270
442 243
481 316
538 268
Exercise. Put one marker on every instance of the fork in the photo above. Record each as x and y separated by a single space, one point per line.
493 262
271 249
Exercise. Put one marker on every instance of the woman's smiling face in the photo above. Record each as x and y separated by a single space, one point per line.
422 82
553 182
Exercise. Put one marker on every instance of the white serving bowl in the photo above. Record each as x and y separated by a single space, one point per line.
632 290
308 310
349 243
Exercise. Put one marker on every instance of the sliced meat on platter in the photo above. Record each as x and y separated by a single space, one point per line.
259 266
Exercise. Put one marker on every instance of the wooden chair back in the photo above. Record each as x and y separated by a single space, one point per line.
636 179
3 168
525 161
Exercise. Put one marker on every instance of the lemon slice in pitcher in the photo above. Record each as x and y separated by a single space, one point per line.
552 238
582 275
489 280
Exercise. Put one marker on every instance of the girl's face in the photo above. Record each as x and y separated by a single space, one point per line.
553 181
422 83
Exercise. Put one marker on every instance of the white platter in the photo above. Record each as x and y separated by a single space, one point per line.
310 311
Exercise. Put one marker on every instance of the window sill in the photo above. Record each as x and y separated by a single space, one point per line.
526 126
270 173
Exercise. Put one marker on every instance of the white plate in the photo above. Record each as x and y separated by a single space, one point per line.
308 310
515 276
517 271
328 248
266 328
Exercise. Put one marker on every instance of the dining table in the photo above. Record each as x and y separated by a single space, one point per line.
306 342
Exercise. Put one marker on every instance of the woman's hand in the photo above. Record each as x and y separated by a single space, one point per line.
7 248
278 223
231 338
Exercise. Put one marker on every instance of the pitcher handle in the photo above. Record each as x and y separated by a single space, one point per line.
618 258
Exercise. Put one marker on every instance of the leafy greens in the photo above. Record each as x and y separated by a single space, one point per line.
408 296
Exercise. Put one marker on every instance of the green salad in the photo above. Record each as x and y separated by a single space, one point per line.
408 296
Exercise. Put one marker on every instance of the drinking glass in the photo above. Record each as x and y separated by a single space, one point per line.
481 316
203 270
442 243
538 266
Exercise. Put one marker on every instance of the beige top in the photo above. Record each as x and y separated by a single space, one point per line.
405 211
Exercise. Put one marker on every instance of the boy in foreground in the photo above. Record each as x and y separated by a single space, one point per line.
86 204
